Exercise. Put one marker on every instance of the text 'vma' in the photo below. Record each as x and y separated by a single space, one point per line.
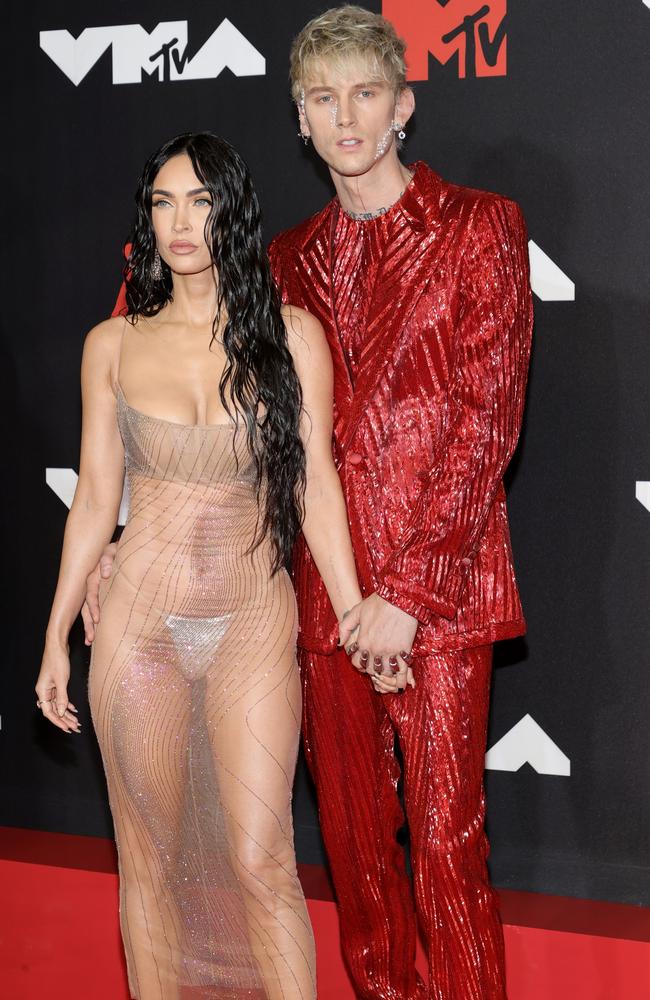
162 53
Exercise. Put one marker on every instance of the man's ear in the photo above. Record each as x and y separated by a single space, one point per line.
404 105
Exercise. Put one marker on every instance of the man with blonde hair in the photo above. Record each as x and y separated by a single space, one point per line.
423 290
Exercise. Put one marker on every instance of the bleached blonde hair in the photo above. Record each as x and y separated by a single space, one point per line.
345 33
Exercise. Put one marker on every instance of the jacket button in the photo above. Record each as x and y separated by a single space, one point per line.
466 561
354 458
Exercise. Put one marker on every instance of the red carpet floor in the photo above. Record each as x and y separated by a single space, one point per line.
59 935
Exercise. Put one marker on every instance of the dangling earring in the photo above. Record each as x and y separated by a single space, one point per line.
401 134
305 138
156 267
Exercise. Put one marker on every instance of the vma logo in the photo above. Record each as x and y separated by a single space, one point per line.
472 32
161 52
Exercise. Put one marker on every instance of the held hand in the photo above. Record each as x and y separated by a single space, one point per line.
394 682
90 610
52 690
383 642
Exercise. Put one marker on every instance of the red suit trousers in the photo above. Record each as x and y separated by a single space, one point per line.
441 725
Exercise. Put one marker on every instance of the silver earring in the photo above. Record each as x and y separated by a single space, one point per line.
401 134
305 138
156 267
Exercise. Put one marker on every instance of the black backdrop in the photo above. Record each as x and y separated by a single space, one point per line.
563 128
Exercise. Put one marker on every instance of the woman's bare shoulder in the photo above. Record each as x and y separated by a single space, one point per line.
106 334
103 342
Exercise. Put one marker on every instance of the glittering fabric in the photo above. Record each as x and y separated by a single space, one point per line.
195 696
425 430
349 734
357 250
428 317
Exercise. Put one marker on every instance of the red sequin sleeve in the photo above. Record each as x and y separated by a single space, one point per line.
426 573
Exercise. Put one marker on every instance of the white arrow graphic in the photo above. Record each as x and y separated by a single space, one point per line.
527 743
643 488
63 482
547 280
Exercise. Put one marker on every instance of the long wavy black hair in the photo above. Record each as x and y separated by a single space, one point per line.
259 382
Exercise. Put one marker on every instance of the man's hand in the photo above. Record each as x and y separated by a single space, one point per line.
384 640
90 610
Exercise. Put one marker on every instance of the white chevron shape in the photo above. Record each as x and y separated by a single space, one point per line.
643 488
63 482
547 280
75 56
527 743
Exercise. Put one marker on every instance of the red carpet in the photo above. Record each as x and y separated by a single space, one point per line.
59 935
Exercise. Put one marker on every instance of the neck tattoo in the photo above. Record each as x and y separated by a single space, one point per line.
367 216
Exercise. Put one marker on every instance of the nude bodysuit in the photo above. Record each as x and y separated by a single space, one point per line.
195 698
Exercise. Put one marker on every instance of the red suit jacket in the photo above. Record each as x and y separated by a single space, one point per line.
424 437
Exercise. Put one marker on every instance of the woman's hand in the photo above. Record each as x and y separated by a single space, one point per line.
397 678
52 689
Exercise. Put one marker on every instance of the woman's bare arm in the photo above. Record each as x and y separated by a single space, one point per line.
94 511
325 524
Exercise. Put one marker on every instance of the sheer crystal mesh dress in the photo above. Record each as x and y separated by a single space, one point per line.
195 698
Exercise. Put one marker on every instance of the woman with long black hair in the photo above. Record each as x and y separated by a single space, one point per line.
219 402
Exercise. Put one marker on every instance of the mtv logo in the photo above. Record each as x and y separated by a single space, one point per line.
161 52
63 482
527 743
468 29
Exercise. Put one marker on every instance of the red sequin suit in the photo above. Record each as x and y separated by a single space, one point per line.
428 315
